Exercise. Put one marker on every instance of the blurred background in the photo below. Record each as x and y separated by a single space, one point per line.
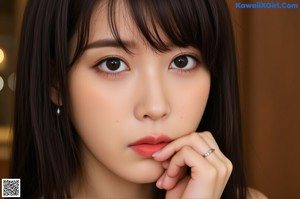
268 43
10 22
268 50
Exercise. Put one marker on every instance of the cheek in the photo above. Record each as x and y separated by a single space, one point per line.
86 103
191 101
95 107
94 102
97 115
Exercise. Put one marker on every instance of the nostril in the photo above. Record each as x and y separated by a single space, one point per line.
155 115
152 108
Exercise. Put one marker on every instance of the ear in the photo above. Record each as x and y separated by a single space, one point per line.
55 97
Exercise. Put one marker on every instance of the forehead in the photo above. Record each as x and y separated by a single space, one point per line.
120 17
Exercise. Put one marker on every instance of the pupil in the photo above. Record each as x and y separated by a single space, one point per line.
181 62
113 64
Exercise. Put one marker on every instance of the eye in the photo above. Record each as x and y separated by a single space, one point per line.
112 65
184 62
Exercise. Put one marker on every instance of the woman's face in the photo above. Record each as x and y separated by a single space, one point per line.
118 98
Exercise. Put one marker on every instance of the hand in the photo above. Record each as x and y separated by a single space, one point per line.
209 175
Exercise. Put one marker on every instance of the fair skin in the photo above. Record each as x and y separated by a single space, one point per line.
146 94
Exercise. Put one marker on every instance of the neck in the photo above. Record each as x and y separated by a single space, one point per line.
97 181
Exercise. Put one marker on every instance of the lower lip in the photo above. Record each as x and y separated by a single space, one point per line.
147 150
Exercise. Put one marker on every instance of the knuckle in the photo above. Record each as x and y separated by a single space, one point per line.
212 172
208 134
223 170
194 136
194 139
229 166
185 150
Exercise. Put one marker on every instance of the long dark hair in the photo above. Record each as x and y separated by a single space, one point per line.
45 151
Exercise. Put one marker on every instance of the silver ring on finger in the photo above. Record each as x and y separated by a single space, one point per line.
210 151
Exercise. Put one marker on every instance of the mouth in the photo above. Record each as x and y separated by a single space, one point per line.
149 145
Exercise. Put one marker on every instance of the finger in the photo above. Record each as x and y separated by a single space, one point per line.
210 141
226 167
203 173
193 140
180 187
170 182
199 143
208 137
165 164
187 157
160 180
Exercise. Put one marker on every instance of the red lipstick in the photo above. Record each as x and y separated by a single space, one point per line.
149 145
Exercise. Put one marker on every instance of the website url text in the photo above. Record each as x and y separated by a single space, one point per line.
266 5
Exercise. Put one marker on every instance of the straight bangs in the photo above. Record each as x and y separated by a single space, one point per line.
184 23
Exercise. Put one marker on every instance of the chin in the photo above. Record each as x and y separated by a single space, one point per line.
146 172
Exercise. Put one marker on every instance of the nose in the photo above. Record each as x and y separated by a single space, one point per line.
153 101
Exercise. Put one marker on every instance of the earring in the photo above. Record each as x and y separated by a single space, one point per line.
58 111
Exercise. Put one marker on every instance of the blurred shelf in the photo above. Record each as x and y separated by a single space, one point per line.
5 142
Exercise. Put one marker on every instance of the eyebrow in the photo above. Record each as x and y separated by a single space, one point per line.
109 43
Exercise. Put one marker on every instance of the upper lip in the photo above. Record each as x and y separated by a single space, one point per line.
152 140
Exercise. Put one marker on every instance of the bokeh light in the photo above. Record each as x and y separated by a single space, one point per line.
1 83
2 56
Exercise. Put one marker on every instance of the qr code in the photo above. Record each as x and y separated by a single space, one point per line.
11 187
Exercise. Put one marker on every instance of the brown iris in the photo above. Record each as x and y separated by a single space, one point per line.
113 64
181 61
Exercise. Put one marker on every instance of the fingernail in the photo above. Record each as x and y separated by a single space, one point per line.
156 153
160 181
165 164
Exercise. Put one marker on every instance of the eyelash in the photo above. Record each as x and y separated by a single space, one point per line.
116 74
109 74
185 71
